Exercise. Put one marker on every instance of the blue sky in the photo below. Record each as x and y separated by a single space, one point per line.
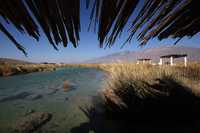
88 46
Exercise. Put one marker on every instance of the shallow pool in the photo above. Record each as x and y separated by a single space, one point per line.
43 92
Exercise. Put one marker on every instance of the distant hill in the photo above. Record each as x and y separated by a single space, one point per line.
13 61
153 53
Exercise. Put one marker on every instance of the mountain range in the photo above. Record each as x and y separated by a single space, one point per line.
132 56
152 53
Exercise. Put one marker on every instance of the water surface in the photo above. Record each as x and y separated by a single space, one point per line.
43 92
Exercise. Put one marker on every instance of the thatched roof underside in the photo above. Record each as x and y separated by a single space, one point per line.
174 56
144 59
60 19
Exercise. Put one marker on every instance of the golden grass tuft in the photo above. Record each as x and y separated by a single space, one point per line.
140 90
15 69
122 74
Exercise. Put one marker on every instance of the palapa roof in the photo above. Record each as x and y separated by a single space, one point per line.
174 56
144 59
60 19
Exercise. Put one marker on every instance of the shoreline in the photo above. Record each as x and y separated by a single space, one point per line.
10 69
18 69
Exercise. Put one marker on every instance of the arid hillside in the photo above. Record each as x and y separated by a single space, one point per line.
153 53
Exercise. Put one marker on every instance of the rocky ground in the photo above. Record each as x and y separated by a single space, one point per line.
31 122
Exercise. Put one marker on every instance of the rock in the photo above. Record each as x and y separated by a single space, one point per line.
32 122
66 85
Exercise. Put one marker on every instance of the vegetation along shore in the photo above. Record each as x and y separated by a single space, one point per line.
149 98
12 69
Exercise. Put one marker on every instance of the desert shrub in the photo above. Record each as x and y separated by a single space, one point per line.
7 70
191 72
149 93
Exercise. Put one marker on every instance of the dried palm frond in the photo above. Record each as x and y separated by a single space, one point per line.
157 18
20 47
60 19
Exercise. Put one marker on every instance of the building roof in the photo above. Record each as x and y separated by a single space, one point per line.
144 59
174 56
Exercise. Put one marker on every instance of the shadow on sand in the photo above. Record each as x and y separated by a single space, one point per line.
174 109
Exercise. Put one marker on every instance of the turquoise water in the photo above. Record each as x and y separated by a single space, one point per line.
43 92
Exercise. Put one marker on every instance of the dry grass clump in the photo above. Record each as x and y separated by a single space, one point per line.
152 93
191 72
7 70
12 69
97 66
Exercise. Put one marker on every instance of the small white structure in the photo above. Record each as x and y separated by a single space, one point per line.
172 57
144 61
